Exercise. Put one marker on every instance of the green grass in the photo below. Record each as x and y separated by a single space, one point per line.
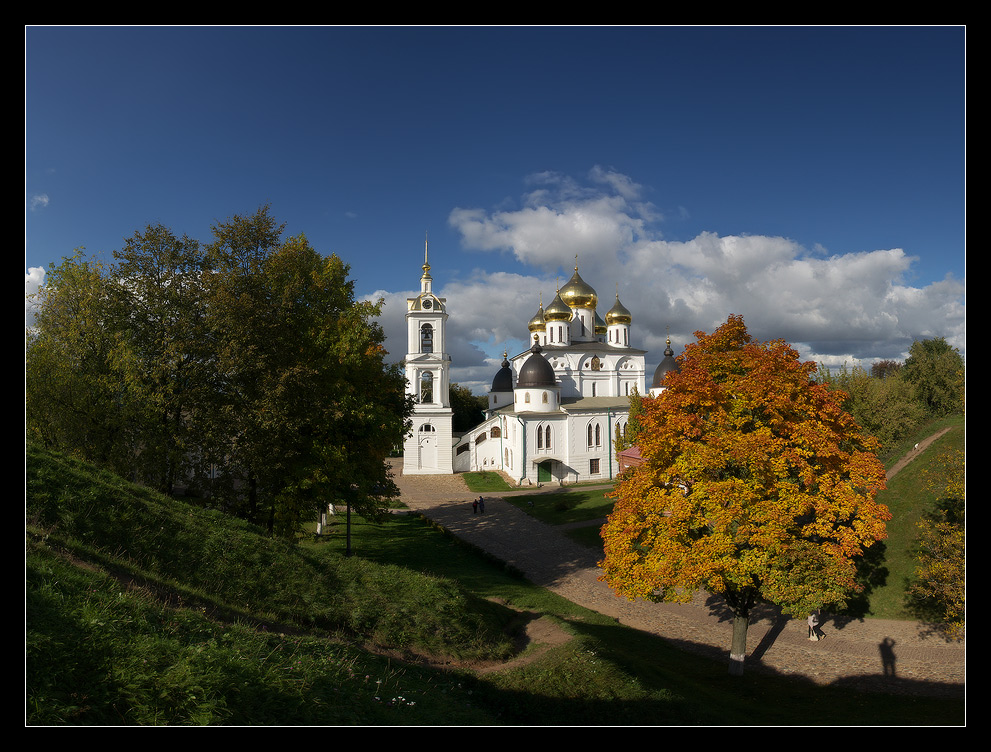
908 499
565 507
486 481
143 610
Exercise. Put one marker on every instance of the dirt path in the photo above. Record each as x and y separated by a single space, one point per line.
919 449
894 656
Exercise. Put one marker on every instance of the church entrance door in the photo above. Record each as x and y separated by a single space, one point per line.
428 453
544 471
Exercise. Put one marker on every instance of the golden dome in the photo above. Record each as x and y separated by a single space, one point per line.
558 310
577 293
600 325
537 323
618 314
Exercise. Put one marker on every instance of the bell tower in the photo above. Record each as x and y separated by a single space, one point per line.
428 448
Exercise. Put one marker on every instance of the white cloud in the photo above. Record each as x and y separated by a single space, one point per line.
851 308
38 201
33 281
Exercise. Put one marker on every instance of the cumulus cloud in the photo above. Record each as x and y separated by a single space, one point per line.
33 281
38 201
833 308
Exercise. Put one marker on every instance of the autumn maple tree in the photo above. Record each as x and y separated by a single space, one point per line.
755 486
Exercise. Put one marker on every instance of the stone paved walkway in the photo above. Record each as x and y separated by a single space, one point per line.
850 655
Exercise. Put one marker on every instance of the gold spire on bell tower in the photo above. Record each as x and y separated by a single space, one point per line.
426 257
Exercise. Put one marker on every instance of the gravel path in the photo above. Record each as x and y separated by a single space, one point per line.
853 653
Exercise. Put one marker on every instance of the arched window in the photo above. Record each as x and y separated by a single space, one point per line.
547 437
426 428
495 433
540 437
426 338
526 398
598 435
426 387
543 398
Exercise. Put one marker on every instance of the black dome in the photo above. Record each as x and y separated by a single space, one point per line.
536 372
664 367
503 381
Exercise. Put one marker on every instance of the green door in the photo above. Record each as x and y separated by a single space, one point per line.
544 472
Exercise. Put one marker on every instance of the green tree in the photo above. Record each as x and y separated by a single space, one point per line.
248 345
250 355
936 372
79 367
937 594
628 436
468 408
756 486
306 409
159 280
883 406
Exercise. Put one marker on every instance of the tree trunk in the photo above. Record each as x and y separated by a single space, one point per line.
738 652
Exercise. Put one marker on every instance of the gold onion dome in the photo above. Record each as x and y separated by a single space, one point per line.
600 325
537 323
577 293
558 310
619 314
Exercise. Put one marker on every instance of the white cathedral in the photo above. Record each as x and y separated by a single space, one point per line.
553 409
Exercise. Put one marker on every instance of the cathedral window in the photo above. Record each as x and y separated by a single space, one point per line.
426 338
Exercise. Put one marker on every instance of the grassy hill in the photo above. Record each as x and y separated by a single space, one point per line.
144 610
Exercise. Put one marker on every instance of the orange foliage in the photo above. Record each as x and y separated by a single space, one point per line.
755 484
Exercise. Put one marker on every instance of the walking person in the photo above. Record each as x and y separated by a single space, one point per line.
813 622
481 505
474 506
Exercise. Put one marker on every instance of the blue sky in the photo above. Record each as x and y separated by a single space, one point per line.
810 179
